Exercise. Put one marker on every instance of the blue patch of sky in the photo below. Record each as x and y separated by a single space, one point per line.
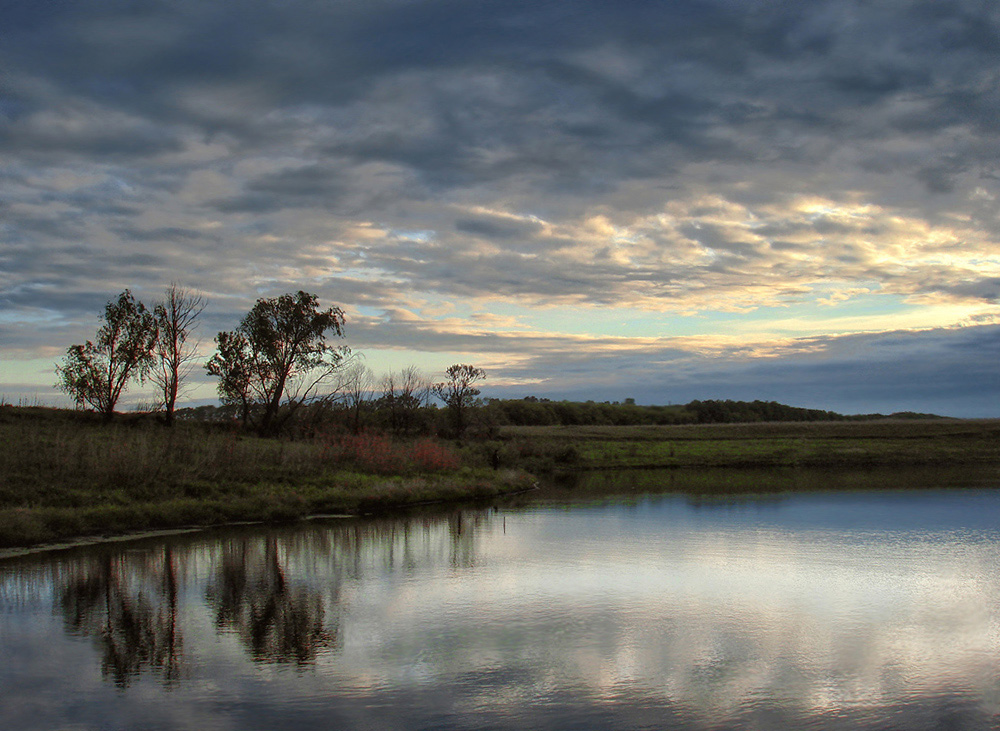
367 311
627 322
872 304
423 236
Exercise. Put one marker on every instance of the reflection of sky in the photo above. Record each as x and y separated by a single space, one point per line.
717 608
836 609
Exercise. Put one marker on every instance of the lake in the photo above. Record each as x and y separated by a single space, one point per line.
570 609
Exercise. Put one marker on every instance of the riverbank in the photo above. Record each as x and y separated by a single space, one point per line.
65 475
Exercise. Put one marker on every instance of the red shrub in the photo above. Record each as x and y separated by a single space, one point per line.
374 452
428 455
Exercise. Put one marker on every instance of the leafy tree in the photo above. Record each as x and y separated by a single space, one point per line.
175 319
232 364
97 373
277 357
458 393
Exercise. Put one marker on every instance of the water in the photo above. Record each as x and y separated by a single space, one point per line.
871 610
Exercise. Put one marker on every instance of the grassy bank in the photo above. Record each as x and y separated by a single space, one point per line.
64 474
815 444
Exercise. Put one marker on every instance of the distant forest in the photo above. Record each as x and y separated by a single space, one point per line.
542 412
535 411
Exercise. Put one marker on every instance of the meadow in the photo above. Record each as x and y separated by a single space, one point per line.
66 474
788 444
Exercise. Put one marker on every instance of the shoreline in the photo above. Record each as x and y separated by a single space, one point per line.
701 483
126 535
53 528
63 481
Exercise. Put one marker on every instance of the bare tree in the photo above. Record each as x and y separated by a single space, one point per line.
403 393
98 373
459 393
354 384
175 352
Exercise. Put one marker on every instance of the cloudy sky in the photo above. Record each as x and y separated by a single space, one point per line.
589 199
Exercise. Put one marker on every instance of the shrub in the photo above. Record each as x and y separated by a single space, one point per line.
374 452
428 455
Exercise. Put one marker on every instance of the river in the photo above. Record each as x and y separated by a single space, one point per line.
566 610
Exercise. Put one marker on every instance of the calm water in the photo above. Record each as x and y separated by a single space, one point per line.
860 610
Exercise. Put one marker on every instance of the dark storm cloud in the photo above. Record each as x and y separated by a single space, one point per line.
166 233
984 288
951 372
762 69
497 227
310 186
142 56
85 135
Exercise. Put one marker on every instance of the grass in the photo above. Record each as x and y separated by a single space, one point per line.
728 484
843 444
64 475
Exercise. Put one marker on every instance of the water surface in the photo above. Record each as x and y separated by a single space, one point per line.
824 610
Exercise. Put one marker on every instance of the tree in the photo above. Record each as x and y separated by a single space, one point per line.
277 358
175 319
355 388
232 365
98 373
458 393
403 394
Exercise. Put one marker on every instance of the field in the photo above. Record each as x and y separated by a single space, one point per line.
844 443
65 474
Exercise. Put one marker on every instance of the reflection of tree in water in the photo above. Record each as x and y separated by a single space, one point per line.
276 621
365 548
463 527
132 609
129 602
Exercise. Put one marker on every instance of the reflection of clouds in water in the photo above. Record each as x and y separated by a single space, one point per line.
708 620
599 617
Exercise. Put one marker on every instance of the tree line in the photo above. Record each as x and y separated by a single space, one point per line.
282 359
533 411
399 412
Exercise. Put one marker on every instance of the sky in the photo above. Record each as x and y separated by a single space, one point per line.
665 201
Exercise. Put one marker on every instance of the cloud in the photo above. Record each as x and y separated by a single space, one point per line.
706 159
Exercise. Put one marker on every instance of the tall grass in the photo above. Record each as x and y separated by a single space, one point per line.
64 474
39 458
375 452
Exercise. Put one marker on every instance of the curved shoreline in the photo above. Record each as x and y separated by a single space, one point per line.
141 534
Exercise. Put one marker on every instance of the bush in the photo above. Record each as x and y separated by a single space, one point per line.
374 452
428 455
